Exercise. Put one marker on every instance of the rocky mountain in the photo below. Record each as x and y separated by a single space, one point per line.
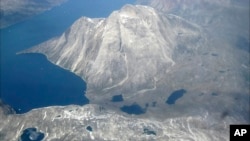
130 50
146 56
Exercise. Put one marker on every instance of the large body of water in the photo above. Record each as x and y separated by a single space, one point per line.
29 81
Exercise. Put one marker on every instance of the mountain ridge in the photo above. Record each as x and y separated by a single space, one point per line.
123 55
116 39
145 55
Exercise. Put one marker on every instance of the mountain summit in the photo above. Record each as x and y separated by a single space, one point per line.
131 50
187 79
145 55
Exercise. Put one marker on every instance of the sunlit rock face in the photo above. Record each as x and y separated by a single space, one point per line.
129 52
146 55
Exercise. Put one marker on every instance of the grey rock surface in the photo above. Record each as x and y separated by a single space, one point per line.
219 17
144 55
69 124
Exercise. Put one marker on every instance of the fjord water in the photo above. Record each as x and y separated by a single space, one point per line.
29 81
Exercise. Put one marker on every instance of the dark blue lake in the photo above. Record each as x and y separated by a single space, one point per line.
117 98
175 96
133 109
29 81
31 134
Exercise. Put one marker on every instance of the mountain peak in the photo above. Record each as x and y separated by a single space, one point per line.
131 11
128 52
146 57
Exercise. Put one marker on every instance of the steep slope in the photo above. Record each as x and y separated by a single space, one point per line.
146 55
131 49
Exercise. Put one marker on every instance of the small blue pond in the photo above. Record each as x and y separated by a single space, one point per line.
149 132
133 109
89 128
175 96
117 98
31 134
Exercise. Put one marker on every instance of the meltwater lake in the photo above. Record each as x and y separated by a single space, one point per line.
29 81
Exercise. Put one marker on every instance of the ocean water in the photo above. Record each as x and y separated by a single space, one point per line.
29 81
